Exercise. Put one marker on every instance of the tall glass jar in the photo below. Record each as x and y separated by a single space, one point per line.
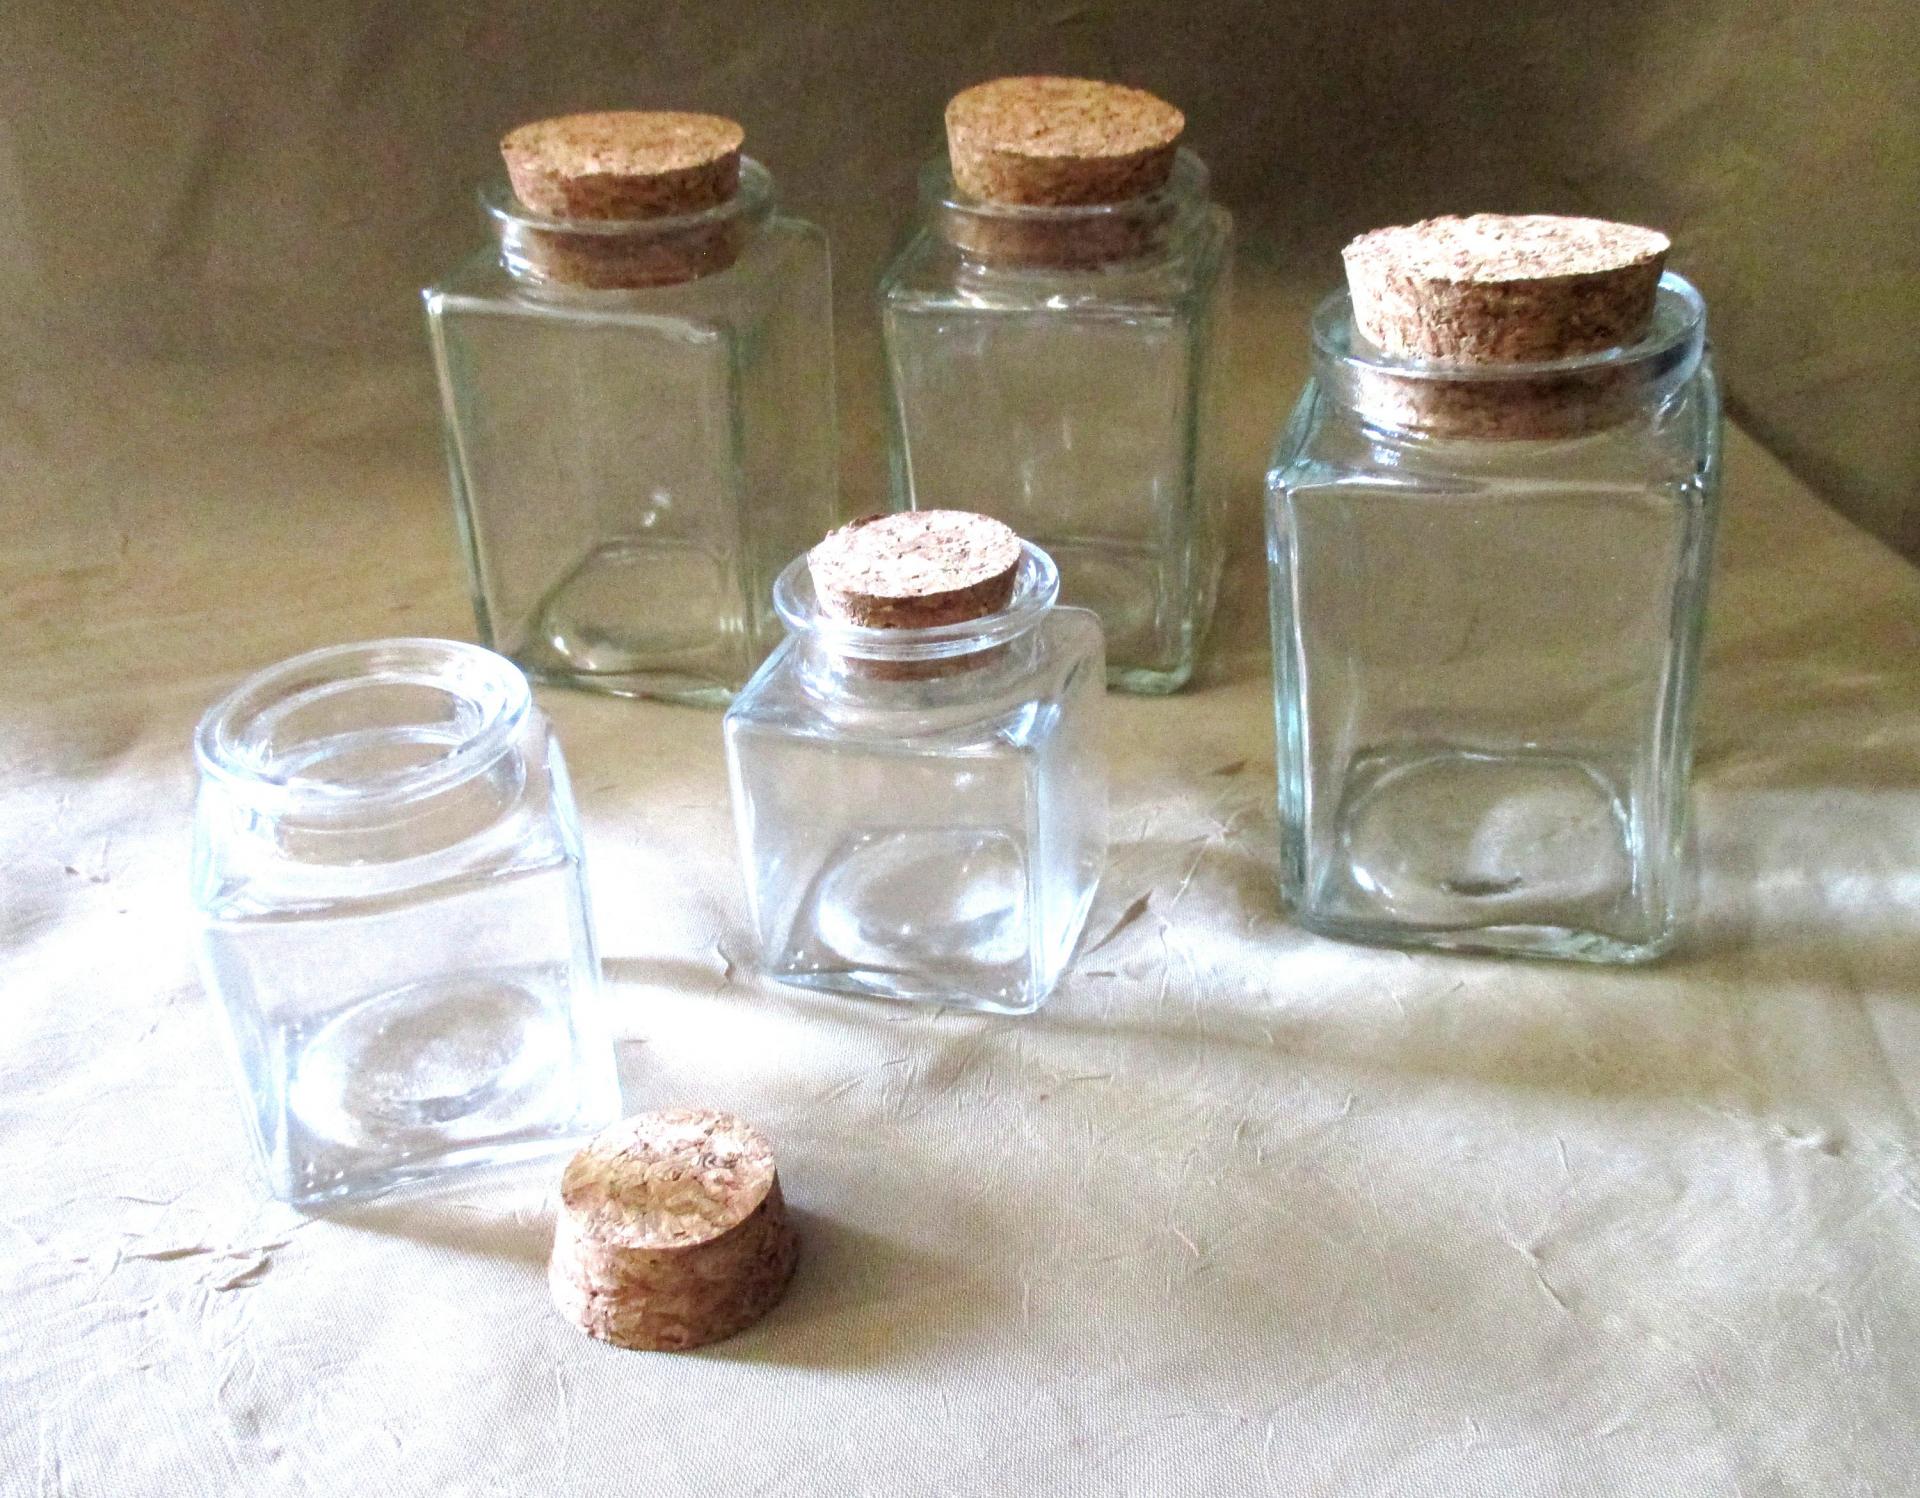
1051 364
922 811
392 910
640 427
1489 588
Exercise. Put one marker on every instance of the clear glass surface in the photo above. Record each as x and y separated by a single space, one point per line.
392 910
1072 401
1486 653
631 468
922 813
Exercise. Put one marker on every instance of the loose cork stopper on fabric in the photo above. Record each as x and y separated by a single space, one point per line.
1499 288
915 569
672 1232
1056 142
627 167
624 164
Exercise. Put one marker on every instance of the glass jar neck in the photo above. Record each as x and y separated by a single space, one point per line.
370 752
1089 236
911 666
1512 402
558 257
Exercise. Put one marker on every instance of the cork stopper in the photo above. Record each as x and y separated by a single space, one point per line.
624 164
627 167
1056 142
1500 288
1495 290
672 1232
915 569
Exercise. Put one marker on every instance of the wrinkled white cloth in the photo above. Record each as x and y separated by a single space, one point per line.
1241 1211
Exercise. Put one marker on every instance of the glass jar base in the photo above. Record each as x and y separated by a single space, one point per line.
463 1069
934 915
902 989
1550 943
639 618
1522 852
1142 681
651 686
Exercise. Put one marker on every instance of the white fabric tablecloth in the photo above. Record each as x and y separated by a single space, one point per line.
1242 1211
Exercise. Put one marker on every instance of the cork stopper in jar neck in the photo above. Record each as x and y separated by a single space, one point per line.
1052 166
1497 296
915 596
915 570
624 198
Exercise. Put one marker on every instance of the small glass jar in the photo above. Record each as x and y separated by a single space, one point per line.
640 427
1053 367
922 811
387 873
1489 588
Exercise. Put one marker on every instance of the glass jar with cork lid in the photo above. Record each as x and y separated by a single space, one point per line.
918 788
637 382
1050 333
1490 523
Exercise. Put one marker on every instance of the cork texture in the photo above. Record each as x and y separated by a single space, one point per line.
627 167
672 1232
624 164
915 569
1056 142
1504 288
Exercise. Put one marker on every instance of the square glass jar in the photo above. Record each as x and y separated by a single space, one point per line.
1488 593
922 812
392 910
1054 368
633 464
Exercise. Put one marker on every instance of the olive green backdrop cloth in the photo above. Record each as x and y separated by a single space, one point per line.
240 178
1240 1212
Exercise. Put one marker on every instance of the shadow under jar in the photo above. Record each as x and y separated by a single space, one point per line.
392 910
1052 367
640 428
922 811
1488 591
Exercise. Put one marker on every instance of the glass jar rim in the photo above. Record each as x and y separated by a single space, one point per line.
1186 183
227 747
752 201
1677 330
1036 588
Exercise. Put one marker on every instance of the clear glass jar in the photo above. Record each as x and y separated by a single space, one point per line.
1486 645
1052 368
922 812
391 906
632 465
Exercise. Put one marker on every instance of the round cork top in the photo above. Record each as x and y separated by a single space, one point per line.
1499 288
668 1179
624 164
1060 142
916 569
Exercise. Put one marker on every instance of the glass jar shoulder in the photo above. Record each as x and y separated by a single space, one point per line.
930 274
1006 704
785 258
1327 443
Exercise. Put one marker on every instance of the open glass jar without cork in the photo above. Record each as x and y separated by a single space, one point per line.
1490 524
918 789
392 910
